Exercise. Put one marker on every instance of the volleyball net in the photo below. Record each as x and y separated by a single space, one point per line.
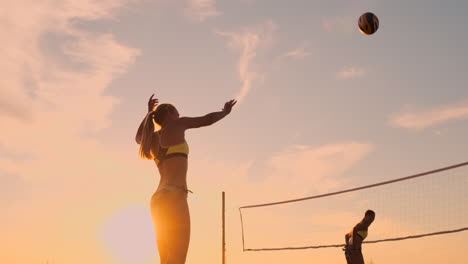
424 204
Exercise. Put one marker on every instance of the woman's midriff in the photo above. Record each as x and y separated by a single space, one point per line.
173 171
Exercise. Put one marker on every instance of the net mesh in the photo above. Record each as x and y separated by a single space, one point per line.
424 204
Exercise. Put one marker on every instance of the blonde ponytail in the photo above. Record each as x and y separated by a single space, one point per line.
149 144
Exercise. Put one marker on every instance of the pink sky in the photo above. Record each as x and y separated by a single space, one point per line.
76 77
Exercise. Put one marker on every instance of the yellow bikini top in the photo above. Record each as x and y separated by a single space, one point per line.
178 150
362 234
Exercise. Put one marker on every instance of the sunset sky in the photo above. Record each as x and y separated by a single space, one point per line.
321 108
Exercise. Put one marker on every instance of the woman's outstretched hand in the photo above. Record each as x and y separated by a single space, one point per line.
152 103
228 106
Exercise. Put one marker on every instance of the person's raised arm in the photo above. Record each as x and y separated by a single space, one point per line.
152 103
209 119
355 241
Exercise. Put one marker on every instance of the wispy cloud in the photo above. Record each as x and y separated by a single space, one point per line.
53 69
298 53
55 76
249 43
200 10
351 73
316 168
421 119
296 170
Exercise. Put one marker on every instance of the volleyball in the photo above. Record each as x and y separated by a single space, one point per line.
368 23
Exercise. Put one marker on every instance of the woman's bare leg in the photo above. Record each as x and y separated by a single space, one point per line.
172 223
179 237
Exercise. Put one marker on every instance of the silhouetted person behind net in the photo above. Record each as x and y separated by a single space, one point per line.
169 150
353 248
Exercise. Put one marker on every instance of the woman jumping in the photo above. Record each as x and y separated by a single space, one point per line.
169 149
354 239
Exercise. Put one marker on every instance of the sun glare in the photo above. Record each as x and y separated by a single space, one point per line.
129 235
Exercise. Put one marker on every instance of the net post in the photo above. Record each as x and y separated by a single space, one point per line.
242 229
224 229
